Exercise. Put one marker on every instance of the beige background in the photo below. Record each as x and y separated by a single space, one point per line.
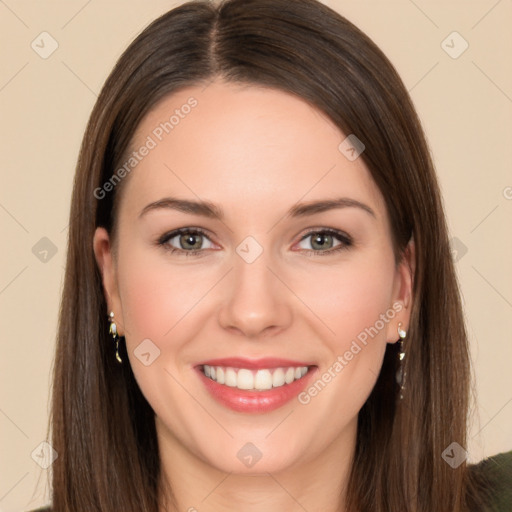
466 107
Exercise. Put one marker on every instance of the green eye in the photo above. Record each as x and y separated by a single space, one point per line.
189 241
323 241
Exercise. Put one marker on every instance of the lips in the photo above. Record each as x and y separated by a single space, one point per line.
255 364
255 386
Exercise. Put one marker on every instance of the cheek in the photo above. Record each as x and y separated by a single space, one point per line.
161 302
349 297
354 299
154 297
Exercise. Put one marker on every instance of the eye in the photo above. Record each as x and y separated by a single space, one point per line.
187 241
322 241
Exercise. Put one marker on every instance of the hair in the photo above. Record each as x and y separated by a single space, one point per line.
103 429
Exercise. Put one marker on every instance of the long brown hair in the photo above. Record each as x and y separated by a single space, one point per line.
102 426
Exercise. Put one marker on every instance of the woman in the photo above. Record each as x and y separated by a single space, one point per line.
307 350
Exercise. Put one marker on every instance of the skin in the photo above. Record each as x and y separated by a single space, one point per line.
255 152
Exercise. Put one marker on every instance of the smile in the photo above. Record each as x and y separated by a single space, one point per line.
254 380
250 386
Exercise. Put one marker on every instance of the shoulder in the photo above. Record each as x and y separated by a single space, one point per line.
43 509
495 473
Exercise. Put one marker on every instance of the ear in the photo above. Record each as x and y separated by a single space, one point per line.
107 264
402 292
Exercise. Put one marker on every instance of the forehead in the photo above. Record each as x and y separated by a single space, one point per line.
243 146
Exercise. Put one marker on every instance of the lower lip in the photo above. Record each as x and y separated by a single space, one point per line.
255 401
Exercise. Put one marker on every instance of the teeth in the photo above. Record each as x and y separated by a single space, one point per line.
244 379
278 377
263 380
259 380
230 377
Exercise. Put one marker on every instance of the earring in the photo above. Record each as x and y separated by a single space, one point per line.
401 373
113 331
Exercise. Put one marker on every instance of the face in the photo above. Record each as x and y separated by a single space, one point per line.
259 282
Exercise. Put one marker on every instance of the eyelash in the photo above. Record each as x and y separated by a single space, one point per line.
346 241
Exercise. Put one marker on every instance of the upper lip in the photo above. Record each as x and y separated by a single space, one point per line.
256 364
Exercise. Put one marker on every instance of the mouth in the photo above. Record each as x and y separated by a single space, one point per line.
255 386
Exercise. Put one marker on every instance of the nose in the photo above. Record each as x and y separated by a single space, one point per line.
257 300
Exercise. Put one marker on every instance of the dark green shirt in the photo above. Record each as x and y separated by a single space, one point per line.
497 471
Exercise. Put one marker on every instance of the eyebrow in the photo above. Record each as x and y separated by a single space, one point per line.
213 211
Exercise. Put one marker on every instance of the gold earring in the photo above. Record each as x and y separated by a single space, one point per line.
401 373
113 331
